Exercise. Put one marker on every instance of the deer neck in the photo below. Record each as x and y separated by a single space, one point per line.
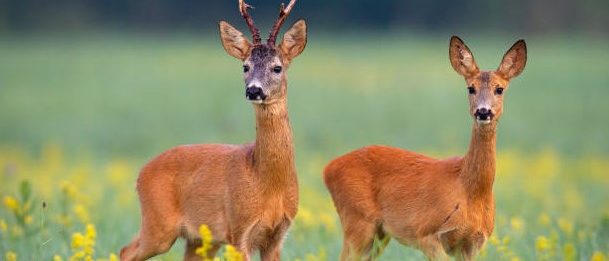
478 171
273 157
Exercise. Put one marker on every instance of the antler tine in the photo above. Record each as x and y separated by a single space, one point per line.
250 22
283 14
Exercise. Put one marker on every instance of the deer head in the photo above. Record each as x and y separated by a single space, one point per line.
264 65
486 88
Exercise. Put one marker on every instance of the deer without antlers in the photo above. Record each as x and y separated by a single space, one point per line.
246 194
443 207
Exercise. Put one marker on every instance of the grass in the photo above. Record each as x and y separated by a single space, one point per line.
81 115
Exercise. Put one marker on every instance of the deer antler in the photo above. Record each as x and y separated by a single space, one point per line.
283 14
250 22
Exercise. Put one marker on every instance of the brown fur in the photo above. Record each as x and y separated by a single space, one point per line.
443 207
246 194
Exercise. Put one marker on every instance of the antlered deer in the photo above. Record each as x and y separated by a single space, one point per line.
246 194
442 207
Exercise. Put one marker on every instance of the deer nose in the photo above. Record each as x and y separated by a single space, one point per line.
254 93
483 114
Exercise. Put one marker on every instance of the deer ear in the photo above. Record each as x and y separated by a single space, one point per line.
294 40
461 58
234 42
513 61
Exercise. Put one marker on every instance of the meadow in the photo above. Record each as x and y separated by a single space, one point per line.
80 115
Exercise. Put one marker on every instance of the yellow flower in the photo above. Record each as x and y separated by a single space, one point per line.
11 256
206 239
57 258
83 245
319 257
78 256
494 240
232 254
28 219
82 213
517 224
306 217
3 226
328 221
78 240
544 219
568 252
565 225
506 240
11 203
91 233
598 256
542 243
112 257
69 190
16 231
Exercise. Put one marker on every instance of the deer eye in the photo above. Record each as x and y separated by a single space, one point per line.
246 68
277 69
471 90
499 90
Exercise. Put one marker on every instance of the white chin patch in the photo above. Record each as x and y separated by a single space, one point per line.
483 122
255 101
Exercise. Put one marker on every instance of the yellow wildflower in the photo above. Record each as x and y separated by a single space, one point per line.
3 226
568 252
505 240
28 219
517 224
16 231
232 254
542 243
328 221
598 256
82 213
306 217
581 235
11 256
91 233
565 225
544 219
69 190
494 240
78 240
26 206
77 256
83 245
206 242
57 258
320 256
112 257
11 203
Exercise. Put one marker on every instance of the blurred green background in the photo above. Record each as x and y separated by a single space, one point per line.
89 91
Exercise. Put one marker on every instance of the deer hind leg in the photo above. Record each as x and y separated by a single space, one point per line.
160 224
432 247
148 244
380 242
358 240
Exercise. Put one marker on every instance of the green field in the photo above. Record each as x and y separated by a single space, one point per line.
80 115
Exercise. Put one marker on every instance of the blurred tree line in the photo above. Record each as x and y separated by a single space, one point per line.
531 16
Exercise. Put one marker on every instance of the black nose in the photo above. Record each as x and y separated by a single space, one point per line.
254 93
483 114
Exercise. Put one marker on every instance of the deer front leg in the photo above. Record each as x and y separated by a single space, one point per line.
432 247
271 251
